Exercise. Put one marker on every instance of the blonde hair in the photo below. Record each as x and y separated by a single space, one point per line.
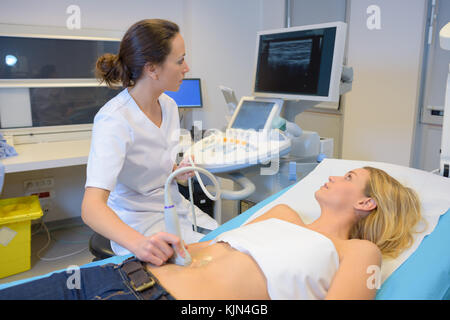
390 225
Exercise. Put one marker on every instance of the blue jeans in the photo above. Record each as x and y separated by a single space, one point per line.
106 282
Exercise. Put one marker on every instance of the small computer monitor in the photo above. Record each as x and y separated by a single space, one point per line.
189 95
300 62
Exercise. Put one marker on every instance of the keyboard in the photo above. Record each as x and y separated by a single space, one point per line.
236 149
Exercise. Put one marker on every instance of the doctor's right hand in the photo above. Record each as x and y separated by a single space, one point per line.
157 248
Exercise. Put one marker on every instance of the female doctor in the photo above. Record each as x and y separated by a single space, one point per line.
132 148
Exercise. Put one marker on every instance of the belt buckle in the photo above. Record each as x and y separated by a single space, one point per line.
144 286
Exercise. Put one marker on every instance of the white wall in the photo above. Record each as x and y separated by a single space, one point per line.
306 12
222 47
381 111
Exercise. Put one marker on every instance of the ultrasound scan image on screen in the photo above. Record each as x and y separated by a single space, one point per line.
296 62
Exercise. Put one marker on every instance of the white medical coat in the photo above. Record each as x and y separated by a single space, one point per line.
132 158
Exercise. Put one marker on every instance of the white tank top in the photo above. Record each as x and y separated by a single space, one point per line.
298 263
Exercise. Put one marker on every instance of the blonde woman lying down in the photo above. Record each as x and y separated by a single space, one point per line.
365 215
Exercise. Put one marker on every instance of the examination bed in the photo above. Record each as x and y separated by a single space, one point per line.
420 272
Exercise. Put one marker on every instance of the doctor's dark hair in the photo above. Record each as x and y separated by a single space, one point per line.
146 41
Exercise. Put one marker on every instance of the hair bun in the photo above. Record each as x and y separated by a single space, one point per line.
108 69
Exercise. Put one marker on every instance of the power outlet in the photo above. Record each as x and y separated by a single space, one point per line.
38 184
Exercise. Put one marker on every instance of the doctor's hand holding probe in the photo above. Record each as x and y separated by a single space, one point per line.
133 139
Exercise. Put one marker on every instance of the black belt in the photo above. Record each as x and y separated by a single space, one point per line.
143 282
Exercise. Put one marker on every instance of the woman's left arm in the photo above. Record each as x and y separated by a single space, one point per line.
353 280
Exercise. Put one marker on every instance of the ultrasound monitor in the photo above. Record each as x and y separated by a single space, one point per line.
300 62
189 95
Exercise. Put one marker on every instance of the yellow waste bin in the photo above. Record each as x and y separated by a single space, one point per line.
15 233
